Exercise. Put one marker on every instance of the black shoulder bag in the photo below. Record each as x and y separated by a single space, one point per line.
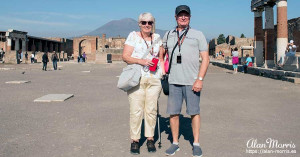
165 78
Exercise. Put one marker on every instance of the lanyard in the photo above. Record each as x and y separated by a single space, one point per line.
181 38
151 52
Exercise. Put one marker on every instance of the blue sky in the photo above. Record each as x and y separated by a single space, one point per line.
67 18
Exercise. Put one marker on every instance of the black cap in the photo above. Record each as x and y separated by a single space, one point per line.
182 8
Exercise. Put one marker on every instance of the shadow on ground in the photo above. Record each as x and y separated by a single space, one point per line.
185 130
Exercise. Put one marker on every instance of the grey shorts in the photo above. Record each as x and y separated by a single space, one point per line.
176 95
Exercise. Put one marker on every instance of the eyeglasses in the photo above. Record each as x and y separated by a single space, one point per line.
181 16
145 22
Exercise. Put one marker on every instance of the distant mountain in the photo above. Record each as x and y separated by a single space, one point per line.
120 28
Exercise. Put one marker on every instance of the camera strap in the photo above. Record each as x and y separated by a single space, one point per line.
170 63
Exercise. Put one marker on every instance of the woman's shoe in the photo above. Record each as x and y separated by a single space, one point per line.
135 148
151 146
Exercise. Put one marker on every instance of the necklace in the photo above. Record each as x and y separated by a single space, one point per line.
146 68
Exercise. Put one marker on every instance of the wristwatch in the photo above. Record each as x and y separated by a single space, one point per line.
200 78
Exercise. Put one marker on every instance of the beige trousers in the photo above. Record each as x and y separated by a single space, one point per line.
143 104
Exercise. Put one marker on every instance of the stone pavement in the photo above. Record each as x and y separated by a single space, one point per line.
95 122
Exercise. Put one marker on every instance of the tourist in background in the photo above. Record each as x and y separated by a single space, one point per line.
45 60
54 59
78 58
247 63
21 55
83 56
143 98
18 56
26 57
1 54
291 49
235 60
186 75
32 58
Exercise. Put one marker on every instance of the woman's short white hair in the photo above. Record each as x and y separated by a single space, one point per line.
146 17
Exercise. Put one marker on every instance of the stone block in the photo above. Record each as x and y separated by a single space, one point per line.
293 80
54 98
17 82
291 63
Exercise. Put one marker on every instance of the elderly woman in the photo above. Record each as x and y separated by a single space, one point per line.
143 98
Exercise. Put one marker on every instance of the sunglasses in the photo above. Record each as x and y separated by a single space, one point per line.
145 22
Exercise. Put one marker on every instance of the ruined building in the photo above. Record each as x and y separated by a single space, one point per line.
96 48
13 40
244 46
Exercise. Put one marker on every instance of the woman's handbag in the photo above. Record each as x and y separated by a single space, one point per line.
131 75
165 84
166 64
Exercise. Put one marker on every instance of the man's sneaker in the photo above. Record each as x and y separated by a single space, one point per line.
135 148
197 152
171 151
151 146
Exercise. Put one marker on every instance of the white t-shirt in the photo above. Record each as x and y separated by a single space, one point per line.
32 55
140 48
292 49
235 53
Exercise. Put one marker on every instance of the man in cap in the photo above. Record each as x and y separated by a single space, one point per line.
186 75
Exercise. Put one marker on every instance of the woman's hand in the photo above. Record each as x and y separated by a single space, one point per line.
145 62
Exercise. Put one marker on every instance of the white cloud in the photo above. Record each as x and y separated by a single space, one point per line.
24 21
71 16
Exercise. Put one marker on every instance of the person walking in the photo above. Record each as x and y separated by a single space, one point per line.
83 56
45 60
235 60
32 58
54 59
186 75
143 98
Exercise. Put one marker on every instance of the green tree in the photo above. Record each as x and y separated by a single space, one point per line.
221 39
242 35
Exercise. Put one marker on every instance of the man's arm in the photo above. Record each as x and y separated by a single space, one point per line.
198 85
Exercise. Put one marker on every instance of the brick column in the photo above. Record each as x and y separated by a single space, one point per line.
282 28
269 37
258 38
103 40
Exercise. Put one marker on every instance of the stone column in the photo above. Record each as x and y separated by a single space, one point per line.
103 40
24 46
56 47
46 46
40 46
269 37
17 44
51 47
8 48
258 38
33 47
282 28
